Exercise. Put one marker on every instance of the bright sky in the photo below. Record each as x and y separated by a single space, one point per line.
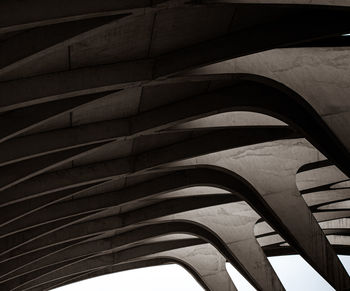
293 271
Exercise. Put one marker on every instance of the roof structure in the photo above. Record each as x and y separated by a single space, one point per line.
138 133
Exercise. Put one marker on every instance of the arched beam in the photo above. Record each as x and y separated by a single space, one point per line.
187 145
122 267
281 192
18 121
62 12
302 117
121 240
192 176
301 208
38 42
60 85
121 256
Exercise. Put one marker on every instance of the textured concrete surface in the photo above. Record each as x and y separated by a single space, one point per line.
140 133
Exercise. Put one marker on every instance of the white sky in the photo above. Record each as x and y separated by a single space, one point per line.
293 271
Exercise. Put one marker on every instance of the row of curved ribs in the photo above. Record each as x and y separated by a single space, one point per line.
139 133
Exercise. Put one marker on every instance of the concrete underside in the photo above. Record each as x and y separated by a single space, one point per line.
139 133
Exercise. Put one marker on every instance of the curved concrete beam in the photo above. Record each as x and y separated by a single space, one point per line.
304 202
109 259
310 123
40 259
138 162
118 268
38 42
234 224
272 172
101 225
152 187
61 12
209 263
258 167
310 25
289 185
119 242
204 261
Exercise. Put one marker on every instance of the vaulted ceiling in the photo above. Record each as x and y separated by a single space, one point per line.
138 133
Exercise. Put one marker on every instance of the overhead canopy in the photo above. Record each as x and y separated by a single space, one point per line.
138 133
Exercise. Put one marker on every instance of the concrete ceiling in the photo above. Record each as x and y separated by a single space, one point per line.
139 133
